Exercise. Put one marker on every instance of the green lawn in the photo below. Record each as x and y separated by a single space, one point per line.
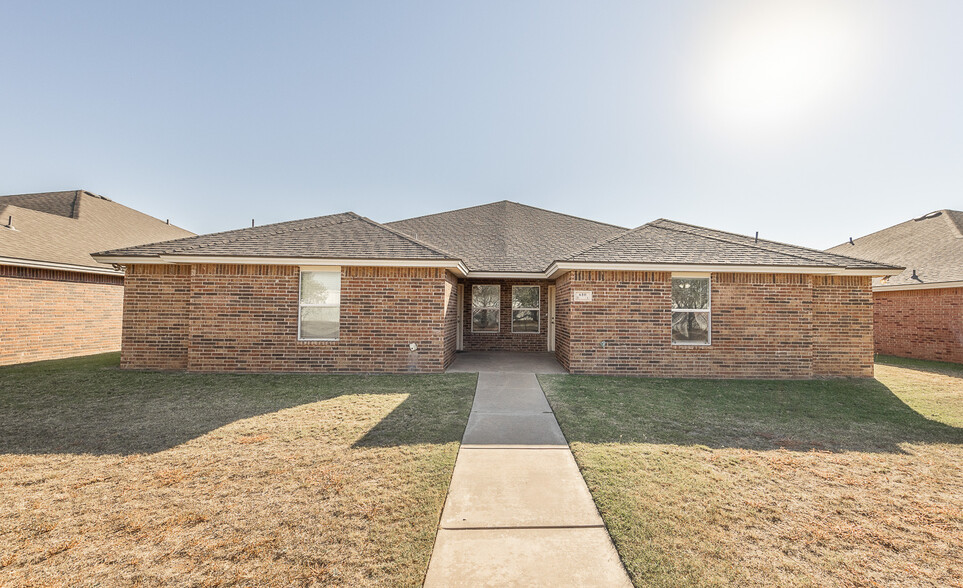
776 483
118 477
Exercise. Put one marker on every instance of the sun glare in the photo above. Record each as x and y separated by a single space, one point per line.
771 67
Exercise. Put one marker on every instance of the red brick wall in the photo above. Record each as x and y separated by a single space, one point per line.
156 317
563 310
842 326
504 339
451 316
51 314
245 318
924 324
763 326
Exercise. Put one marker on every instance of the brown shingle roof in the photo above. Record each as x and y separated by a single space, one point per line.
506 236
666 241
66 227
345 235
498 237
932 245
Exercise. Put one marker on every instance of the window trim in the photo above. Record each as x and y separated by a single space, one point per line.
330 269
497 308
707 310
537 309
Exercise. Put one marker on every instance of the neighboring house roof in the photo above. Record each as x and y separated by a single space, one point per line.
507 236
666 241
500 238
337 236
62 229
931 247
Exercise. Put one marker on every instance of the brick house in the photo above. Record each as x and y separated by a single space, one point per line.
918 312
343 293
56 301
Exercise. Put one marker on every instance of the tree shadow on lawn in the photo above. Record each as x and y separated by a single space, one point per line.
827 415
90 406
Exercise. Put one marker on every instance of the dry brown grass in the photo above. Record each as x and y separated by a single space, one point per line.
763 483
119 478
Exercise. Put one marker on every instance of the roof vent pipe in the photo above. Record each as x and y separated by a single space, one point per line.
915 277
757 236
851 241
252 223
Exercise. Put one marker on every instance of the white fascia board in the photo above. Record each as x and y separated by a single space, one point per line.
122 260
454 265
66 267
558 268
508 275
930 286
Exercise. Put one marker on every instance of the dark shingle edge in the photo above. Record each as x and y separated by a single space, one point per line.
257 232
183 246
797 248
720 236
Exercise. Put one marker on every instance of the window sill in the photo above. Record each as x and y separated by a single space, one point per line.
675 344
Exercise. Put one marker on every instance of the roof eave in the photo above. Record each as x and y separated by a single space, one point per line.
923 286
454 265
51 265
557 268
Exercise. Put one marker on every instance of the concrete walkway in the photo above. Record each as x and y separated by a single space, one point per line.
518 512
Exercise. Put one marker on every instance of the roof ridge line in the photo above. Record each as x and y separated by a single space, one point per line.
604 242
447 211
823 252
943 210
581 218
753 246
515 203
250 236
424 244
953 226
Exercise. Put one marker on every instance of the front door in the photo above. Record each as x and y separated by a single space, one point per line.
460 309
551 318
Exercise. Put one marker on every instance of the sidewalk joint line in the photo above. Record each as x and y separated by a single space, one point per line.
522 528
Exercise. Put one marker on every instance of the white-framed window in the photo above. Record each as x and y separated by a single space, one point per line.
691 310
319 304
485 308
526 309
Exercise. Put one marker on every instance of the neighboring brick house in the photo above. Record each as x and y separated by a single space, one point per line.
56 301
343 293
919 312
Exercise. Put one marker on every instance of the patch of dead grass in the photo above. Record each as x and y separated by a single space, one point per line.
829 484
293 492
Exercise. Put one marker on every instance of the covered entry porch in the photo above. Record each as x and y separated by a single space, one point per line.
506 362
516 315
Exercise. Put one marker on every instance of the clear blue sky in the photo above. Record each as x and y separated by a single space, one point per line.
807 121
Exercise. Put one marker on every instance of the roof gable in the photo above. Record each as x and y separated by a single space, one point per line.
507 236
346 235
666 242
931 246
64 228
